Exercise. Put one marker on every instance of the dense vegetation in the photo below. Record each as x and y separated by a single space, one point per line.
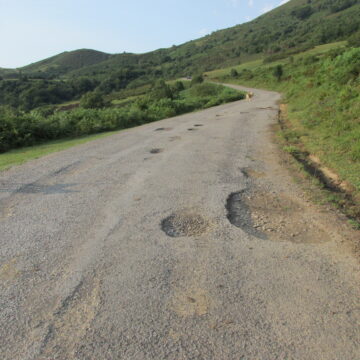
19 128
287 30
323 93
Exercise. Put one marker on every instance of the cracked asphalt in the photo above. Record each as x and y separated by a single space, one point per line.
87 271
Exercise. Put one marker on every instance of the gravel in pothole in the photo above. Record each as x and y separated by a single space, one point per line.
239 214
274 216
184 223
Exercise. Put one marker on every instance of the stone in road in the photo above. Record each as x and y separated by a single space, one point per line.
250 269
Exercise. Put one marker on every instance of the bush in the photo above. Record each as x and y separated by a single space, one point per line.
197 79
205 89
92 100
234 73
278 72
22 129
161 90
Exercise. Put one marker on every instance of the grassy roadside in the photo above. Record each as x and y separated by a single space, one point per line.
321 88
22 155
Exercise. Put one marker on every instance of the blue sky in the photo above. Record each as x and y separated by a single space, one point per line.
31 30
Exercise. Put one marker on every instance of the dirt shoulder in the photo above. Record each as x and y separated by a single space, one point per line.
322 188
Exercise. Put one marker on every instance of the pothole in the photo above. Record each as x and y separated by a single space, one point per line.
239 214
156 151
163 129
192 129
185 223
198 125
273 216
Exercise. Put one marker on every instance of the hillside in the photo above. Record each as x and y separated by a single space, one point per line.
65 62
290 28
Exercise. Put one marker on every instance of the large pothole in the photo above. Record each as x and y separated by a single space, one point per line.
273 216
239 214
185 223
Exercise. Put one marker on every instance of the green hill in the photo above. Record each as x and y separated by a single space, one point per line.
65 62
293 27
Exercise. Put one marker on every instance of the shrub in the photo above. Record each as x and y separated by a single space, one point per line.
278 72
92 100
234 73
161 90
197 79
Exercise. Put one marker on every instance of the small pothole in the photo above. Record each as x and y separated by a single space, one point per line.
163 129
198 125
156 151
192 129
184 223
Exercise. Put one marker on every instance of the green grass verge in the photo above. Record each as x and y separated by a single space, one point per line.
322 93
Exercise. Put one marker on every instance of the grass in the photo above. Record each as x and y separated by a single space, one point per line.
322 89
23 155
258 64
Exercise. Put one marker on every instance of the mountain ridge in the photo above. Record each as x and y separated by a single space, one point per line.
291 27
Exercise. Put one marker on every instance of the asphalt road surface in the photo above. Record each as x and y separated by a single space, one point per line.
181 239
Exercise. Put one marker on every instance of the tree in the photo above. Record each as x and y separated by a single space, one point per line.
161 90
197 79
278 72
354 40
179 86
234 73
92 100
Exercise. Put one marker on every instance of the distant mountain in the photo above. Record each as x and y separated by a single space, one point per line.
66 62
290 28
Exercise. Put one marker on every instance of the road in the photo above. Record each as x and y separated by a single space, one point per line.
181 239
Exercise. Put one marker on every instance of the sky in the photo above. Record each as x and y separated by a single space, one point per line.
32 30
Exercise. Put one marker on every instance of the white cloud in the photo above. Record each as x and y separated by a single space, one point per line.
251 3
267 8
282 2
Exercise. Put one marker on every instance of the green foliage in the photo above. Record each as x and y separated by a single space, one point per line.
302 12
323 93
197 79
234 73
92 100
18 128
178 86
278 72
161 90
354 40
